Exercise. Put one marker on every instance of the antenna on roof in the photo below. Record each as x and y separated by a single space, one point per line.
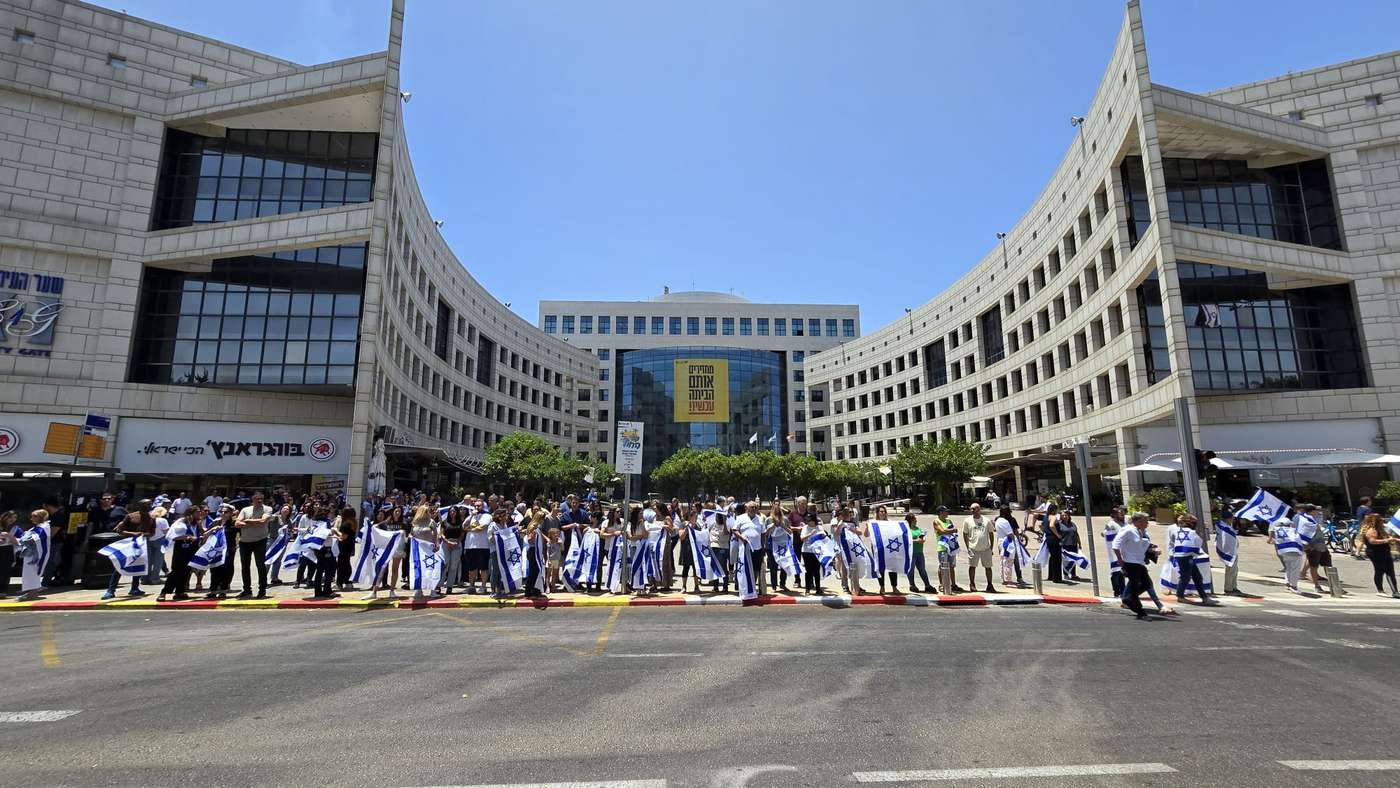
666 290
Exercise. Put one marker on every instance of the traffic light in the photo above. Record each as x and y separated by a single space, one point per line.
1204 467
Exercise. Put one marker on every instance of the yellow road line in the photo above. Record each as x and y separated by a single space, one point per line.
607 632
47 647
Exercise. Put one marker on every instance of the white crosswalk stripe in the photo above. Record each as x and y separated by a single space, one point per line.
600 784
1348 643
1013 772
1342 766
42 715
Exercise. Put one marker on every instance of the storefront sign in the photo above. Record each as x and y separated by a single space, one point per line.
629 446
189 447
30 304
702 390
23 438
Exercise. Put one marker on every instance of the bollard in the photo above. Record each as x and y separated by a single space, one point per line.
1334 582
945 577
1036 580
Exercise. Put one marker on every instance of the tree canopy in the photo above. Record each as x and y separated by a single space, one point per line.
534 464
759 474
939 464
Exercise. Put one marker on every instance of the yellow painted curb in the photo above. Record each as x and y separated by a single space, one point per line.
15 605
601 601
231 603
485 602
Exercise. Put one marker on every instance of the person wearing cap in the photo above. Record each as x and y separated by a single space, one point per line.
947 533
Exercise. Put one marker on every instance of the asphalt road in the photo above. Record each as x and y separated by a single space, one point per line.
700 696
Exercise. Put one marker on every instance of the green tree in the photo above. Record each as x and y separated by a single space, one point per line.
926 463
528 462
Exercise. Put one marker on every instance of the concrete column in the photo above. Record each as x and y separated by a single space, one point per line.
1126 438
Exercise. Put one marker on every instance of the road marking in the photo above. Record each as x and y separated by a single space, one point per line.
1045 650
810 653
1367 611
602 784
607 632
1254 648
1290 613
1207 614
1342 766
48 648
43 715
1263 627
1348 643
1014 772
653 656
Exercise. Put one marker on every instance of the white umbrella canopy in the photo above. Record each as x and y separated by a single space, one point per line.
1152 466
1173 465
1344 458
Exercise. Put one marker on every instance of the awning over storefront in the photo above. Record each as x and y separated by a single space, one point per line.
434 454
1052 457
1275 458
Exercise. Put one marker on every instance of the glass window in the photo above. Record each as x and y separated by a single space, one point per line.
710 326
674 326
604 324
622 324
658 326
798 356
257 172
568 324
779 327
848 328
692 326
551 324
992 348
831 327
604 354
763 326
797 327
745 326
814 327
282 319
727 326
585 324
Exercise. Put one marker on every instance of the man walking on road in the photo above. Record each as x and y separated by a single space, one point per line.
252 544
1130 547
977 536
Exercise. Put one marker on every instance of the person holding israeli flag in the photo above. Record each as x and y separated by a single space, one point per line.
891 549
1186 548
947 547
34 546
221 572
746 531
1289 546
128 560
783 560
1009 546
641 561
184 540
613 532
380 546
696 553
1263 506
1111 528
583 563
285 535
157 544
507 555
850 538
1316 553
818 553
1227 546
424 562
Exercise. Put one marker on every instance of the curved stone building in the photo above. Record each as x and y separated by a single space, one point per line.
227 255
1240 249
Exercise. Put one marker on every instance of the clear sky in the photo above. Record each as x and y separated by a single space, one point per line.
790 150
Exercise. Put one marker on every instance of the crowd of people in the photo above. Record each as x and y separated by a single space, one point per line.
498 546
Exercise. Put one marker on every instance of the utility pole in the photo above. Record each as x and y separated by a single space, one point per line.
1081 458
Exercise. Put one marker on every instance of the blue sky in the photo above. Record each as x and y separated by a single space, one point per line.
789 150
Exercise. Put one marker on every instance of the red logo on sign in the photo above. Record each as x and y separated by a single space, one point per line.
322 449
9 440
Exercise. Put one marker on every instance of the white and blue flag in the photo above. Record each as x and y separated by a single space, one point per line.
128 556
1394 525
743 569
1263 506
643 564
538 555
891 547
377 549
276 549
582 562
34 545
424 566
825 548
1227 542
214 551
509 558
781 552
707 566
1012 547
853 551
1110 532
617 563
1072 558
1170 577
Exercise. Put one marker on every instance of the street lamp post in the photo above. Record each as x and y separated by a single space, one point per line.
1077 121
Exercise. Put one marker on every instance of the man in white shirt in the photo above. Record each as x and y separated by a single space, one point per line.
1130 547
213 501
181 503
977 536
749 527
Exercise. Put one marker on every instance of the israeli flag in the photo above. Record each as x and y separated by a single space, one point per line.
1170 577
643 567
1263 506
707 566
581 565
1227 542
780 548
276 549
128 556
1394 525
825 549
424 566
509 558
1110 532
743 570
617 560
1072 558
319 537
377 547
537 561
1012 547
1306 527
852 547
212 553
34 546
950 542
291 556
891 547
656 545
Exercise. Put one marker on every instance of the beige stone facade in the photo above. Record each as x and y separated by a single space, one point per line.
86 97
1065 280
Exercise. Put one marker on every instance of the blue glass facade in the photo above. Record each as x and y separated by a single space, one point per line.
646 388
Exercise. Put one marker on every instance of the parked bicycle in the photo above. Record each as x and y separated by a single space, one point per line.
1342 535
